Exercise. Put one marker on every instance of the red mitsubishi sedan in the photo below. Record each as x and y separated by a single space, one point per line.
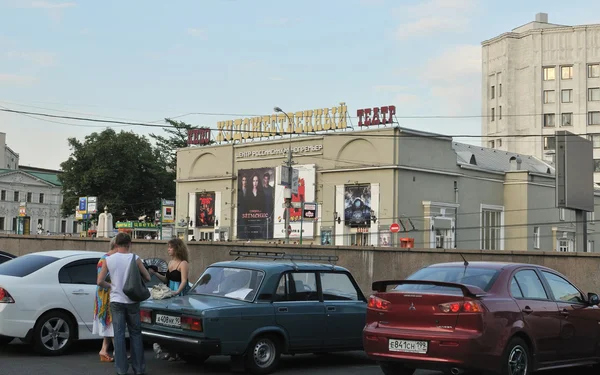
504 318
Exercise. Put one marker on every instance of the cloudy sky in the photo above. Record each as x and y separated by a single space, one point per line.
146 60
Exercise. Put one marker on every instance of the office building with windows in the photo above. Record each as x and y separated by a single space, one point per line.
539 78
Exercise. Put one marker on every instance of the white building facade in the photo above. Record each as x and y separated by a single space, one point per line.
538 79
8 158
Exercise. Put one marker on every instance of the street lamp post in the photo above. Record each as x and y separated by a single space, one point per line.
288 190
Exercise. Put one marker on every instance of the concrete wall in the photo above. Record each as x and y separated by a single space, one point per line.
366 264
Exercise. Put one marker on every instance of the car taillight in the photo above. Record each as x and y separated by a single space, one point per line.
5 297
463 306
193 324
378 303
146 316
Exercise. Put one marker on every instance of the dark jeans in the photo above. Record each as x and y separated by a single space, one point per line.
126 316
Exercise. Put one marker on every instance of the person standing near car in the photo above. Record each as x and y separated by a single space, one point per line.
102 323
125 312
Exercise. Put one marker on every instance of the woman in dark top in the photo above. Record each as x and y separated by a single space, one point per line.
176 277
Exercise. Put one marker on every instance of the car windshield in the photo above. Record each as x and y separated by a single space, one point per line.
480 277
229 282
25 265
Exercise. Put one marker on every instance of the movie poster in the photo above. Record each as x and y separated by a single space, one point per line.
326 237
357 205
255 199
205 210
306 193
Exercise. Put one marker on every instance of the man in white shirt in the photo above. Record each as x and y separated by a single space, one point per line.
125 312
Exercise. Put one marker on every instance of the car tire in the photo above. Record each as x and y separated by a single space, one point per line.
517 358
395 368
262 356
53 333
5 340
194 359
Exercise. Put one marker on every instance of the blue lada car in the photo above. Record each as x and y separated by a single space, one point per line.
257 310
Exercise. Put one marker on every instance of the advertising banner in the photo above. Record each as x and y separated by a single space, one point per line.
168 214
306 193
205 210
385 239
255 201
357 205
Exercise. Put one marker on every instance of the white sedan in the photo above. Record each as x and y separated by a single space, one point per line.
47 299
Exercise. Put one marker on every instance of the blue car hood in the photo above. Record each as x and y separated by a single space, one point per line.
191 303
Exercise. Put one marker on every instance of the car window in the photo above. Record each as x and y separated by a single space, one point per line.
480 277
531 285
25 265
562 289
515 289
79 273
229 282
338 287
297 286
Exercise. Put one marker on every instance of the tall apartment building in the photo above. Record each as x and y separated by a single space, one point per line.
538 79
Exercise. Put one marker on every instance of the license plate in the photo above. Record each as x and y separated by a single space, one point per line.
167 320
408 346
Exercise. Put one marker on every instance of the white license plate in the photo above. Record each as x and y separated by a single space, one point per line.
167 320
408 346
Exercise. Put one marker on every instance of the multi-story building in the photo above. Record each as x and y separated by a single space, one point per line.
8 158
537 79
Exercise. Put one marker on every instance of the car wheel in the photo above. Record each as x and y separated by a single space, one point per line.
263 355
395 368
5 340
53 333
516 360
194 359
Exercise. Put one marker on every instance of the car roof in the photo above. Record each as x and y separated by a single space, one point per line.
67 253
7 254
278 265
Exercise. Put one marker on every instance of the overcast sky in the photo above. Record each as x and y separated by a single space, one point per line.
146 60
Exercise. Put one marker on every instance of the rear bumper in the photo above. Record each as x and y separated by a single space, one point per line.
445 350
182 344
14 322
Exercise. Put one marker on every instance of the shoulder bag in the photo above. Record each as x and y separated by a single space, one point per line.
134 287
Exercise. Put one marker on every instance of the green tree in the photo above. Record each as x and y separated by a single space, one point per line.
177 138
122 169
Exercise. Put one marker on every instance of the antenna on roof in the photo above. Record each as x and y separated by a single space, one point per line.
466 263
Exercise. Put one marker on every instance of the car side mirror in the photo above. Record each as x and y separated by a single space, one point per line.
593 299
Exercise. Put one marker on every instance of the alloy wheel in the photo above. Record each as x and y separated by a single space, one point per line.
517 361
55 334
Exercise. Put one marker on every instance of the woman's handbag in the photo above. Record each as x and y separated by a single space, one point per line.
134 287
161 291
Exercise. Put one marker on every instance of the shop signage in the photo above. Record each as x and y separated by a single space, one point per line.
310 211
376 116
92 205
280 151
23 209
198 136
300 122
134 224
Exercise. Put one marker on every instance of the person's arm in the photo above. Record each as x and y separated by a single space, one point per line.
162 278
184 276
143 269
101 280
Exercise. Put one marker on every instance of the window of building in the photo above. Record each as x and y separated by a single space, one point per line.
590 248
63 226
491 144
549 96
594 94
16 196
536 237
500 113
549 143
595 138
591 217
499 90
41 197
567 119
565 245
14 225
549 119
2 223
499 142
594 118
3 195
561 214
493 92
29 196
596 165
493 113
594 71
74 227
566 72
549 73
491 227
566 96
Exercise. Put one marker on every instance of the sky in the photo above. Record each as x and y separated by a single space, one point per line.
144 61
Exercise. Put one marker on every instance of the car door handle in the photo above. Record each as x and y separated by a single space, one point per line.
527 310
330 308
564 312
282 309
79 292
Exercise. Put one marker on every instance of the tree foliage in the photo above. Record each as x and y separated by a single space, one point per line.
123 170
167 146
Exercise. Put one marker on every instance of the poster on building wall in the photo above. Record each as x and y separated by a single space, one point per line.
385 239
326 237
205 210
357 205
255 199
306 193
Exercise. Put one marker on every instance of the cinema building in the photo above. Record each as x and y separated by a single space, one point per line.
376 184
